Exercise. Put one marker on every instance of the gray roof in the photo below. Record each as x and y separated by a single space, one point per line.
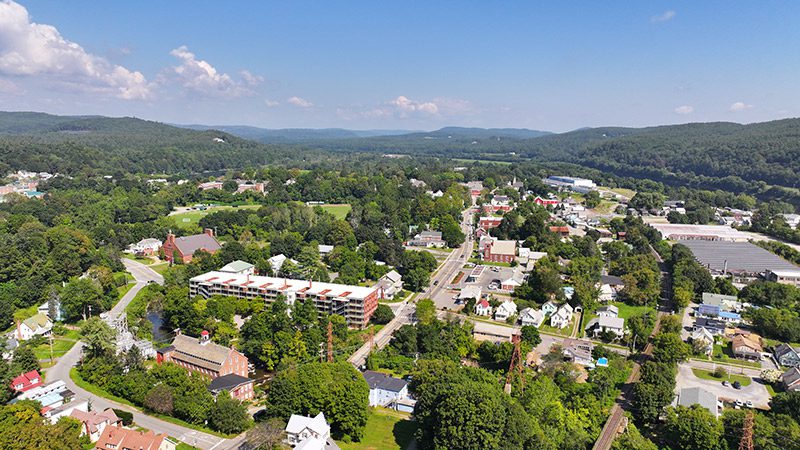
377 380
227 382
740 257
784 349
190 244
609 308
698 396
717 299
612 280
791 376
392 276
210 355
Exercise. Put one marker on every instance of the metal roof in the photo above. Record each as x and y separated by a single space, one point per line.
377 380
736 257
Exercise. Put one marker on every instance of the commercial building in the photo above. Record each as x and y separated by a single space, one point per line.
489 222
429 239
688 232
209 359
582 185
355 303
745 261
791 277
698 396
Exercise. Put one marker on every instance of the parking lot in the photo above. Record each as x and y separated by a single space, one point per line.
755 392
488 279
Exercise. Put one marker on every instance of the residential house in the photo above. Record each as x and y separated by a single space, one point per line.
53 413
506 309
699 396
546 201
608 311
116 438
145 247
606 324
385 390
309 433
724 302
500 251
95 422
703 339
239 267
607 294
324 250
791 379
715 327
787 356
250 186
562 231
44 308
513 282
51 396
238 387
26 381
530 317
38 325
276 263
549 308
390 284
207 358
578 351
483 308
183 248
428 239
745 348
563 317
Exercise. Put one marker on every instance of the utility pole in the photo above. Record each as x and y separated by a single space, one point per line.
330 342
51 346
515 365
747 432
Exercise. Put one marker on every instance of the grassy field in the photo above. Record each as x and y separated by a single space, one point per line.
61 345
605 207
708 375
477 261
339 211
139 259
386 430
189 220
547 329
161 267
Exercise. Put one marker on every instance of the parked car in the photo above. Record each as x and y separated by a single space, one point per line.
726 383
749 404
739 403
737 385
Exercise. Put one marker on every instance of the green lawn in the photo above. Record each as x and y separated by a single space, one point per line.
161 267
386 430
339 211
478 261
61 345
189 220
547 329
139 259
183 446
709 375
627 311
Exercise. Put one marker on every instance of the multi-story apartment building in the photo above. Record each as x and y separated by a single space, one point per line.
355 303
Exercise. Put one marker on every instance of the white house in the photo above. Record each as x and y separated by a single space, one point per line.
531 317
145 247
483 308
471 291
563 317
390 284
608 311
602 324
607 293
38 325
703 339
506 309
302 428
384 390
549 308
276 262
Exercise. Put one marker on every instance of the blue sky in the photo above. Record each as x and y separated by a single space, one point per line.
404 65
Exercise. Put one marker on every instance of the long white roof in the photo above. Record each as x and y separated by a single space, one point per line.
285 285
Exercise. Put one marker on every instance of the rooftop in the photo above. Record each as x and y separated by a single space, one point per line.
698 396
377 380
502 247
237 266
291 285
190 244
736 257
679 231
227 382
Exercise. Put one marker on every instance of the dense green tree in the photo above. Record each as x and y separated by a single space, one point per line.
694 428
383 314
227 415
98 338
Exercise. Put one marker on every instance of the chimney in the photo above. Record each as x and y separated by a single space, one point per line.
209 232
204 337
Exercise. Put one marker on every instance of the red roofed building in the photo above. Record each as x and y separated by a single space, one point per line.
115 438
562 231
483 308
545 201
26 381
488 223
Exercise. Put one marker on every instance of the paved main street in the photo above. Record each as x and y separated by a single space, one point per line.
61 369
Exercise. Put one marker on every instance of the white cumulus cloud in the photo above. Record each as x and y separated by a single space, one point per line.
271 103
201 77
684 110
740 106
29 49
403 107
299 102
666 16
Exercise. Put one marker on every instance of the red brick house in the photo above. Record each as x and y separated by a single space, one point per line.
209 359
545 201
183 248
562 231
488 223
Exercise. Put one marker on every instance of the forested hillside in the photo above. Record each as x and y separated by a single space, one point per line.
43 142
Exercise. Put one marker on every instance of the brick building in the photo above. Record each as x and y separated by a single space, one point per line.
500 251
183 248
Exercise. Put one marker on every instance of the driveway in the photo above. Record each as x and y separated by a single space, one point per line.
755 392
687 321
